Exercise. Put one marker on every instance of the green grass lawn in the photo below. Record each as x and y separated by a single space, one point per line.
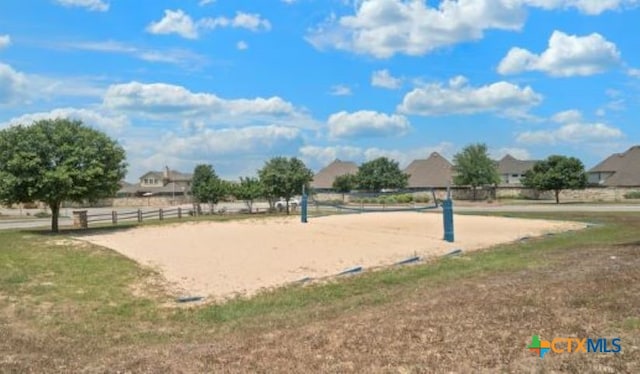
75 296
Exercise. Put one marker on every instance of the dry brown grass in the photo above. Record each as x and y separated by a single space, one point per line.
479 321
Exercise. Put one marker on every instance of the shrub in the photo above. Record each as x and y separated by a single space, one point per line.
42 215
389 200
422 198
632 195
404 198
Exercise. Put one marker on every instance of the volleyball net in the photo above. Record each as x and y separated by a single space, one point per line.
363 202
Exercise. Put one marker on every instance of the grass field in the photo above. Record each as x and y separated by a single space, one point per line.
66 306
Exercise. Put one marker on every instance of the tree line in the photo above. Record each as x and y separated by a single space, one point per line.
56 160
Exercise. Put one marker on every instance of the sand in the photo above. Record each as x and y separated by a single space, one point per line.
219 260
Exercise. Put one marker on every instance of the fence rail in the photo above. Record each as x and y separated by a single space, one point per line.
137 215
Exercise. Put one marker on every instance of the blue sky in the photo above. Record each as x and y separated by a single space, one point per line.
234 82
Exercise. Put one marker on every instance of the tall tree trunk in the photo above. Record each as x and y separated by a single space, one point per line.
475 193
55 214
287 201
557 196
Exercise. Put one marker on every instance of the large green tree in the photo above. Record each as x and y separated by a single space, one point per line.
283 177
206 187
56 160
381 173
344 184
556 173
248 190
475 168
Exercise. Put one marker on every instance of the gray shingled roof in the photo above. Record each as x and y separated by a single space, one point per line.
173 174
435 171
325 177
168 188
624 166
511 165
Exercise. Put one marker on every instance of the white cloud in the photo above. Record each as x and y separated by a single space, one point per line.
18 88
590 7
567 116
242 45
92 5
181 57
634 73
251 139
566 55
519 153
572 132
160 100
458 97
175 22
319 156
384 79
341 90
383 28
249 21
110 123
5 41
181 23
366 123
13 85
206 2
232 151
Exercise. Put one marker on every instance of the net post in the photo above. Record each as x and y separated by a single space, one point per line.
303 206
447 216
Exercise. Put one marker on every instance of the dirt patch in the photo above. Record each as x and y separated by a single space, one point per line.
481 325
223 259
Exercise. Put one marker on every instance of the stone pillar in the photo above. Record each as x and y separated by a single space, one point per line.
80 219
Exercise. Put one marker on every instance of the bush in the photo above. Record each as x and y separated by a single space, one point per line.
422 199
42 215
632 195
404 198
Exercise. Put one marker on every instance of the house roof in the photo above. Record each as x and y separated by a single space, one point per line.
325 177
173 175
168 188
511 165
624 166
435 171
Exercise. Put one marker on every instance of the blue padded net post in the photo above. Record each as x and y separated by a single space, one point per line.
447 216
303 208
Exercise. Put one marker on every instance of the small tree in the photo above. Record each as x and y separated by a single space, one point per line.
58 160
475 168
344 184
283 177
381 173
556 173
248 190
206 187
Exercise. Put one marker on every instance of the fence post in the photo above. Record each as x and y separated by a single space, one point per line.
80 219
160 214
179 213
114 217
139 215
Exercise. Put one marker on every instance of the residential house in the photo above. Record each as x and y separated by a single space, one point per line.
323 180
618 170
433 172
158 183
512 170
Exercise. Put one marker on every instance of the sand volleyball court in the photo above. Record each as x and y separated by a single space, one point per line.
223 259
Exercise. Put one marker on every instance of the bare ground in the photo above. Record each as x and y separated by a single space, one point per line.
222 259
477 324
